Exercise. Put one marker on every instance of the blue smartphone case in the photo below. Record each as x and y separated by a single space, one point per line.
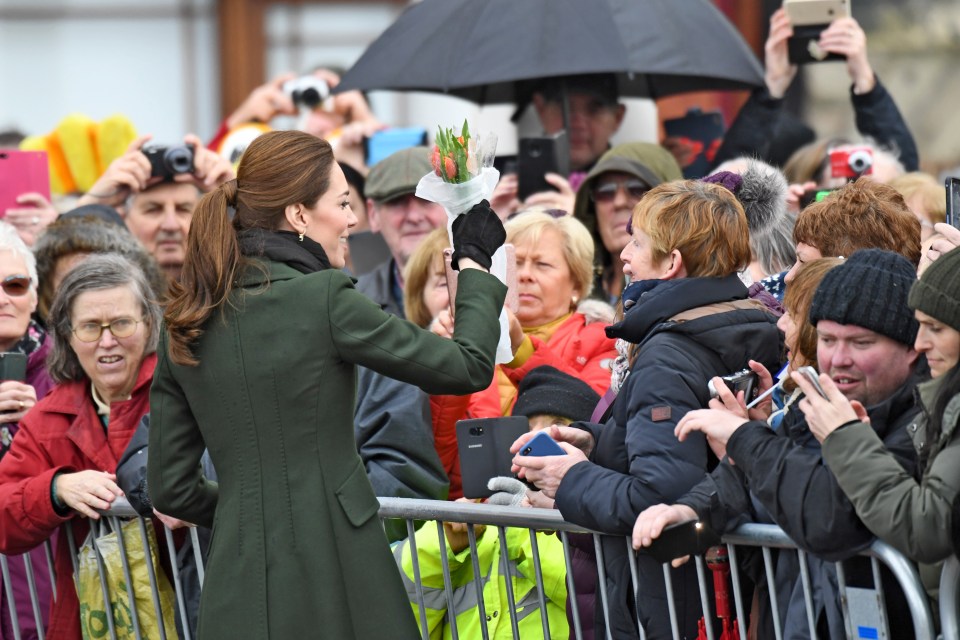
542 445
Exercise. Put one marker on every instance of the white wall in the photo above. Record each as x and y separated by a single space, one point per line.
141 59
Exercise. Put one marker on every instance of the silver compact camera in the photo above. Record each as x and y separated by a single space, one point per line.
307 91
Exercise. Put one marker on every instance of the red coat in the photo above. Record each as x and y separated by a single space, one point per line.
583 350
62 433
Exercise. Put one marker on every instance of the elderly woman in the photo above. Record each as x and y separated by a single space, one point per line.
23 341
687 319
104 326
554 274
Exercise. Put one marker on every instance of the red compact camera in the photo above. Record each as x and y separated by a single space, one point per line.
851 162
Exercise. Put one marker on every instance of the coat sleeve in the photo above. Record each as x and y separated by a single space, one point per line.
878 117
27 516
365 335
753 129
914 517
799 491
658 392
394 439
591 363
132 470
177 484
721 499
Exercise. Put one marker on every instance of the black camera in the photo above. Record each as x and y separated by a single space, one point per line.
745 380
167 162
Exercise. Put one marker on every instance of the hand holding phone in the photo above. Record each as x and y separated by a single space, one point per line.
681 539
536 158
745 380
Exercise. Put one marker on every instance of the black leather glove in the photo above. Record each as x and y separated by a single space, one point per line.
477 235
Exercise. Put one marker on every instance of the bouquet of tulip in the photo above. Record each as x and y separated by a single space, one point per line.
462 176
463 172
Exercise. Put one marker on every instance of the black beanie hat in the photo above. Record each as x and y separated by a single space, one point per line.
546 390
937 292
869 290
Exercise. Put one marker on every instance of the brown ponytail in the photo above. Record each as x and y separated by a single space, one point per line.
279 168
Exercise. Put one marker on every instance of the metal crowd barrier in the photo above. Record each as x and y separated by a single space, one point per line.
765 537
950 599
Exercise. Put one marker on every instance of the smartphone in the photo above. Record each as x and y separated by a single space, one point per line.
484 448
682 539
953 201
386 142
22 172
814 378
809 18
537 157
13 366
702 134
542 445
745 380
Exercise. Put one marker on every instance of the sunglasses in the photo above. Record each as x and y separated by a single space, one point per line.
15 285
553 213
607 191
91 331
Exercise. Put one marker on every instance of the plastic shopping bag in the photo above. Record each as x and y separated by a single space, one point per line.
93 610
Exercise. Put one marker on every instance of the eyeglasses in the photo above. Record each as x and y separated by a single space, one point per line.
91 331
553 213
607 191
15 286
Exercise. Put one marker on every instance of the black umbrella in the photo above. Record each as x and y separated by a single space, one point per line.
482 50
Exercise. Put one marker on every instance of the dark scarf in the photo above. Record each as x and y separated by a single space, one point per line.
305 256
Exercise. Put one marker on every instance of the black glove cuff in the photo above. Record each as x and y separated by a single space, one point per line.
475 253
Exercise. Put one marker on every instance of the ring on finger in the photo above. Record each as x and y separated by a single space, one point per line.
35 220
21 405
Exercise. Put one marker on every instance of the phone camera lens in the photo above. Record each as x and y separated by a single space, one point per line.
535 151
527 450
476 431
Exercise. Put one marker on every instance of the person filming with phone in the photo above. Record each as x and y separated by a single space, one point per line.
865 346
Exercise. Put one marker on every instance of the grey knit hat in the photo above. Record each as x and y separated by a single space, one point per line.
937 292
869 290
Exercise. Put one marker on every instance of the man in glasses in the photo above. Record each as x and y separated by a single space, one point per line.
606 199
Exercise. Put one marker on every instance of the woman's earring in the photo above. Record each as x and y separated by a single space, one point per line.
300 237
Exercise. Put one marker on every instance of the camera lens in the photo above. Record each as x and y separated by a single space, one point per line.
860 161
476 431
309 97
527 450
178 160
535 151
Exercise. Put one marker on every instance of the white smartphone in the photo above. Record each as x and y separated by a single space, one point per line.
814 378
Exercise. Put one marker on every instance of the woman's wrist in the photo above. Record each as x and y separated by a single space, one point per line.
59 506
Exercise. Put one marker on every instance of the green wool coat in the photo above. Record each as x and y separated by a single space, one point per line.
297 550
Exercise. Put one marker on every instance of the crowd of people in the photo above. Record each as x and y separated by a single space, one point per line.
197 343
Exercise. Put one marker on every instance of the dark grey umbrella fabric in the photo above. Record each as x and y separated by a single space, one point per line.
481 50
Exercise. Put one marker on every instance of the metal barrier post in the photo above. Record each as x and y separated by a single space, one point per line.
541 596
950 599
34 599
124 562
151 576
508 580
571 588
417 579
177 583
477 582
14 619
807 592
737 595
447 582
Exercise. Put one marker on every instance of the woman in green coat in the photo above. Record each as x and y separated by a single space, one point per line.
264 333
912 515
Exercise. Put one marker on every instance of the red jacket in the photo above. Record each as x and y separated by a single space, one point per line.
62 433
580 349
